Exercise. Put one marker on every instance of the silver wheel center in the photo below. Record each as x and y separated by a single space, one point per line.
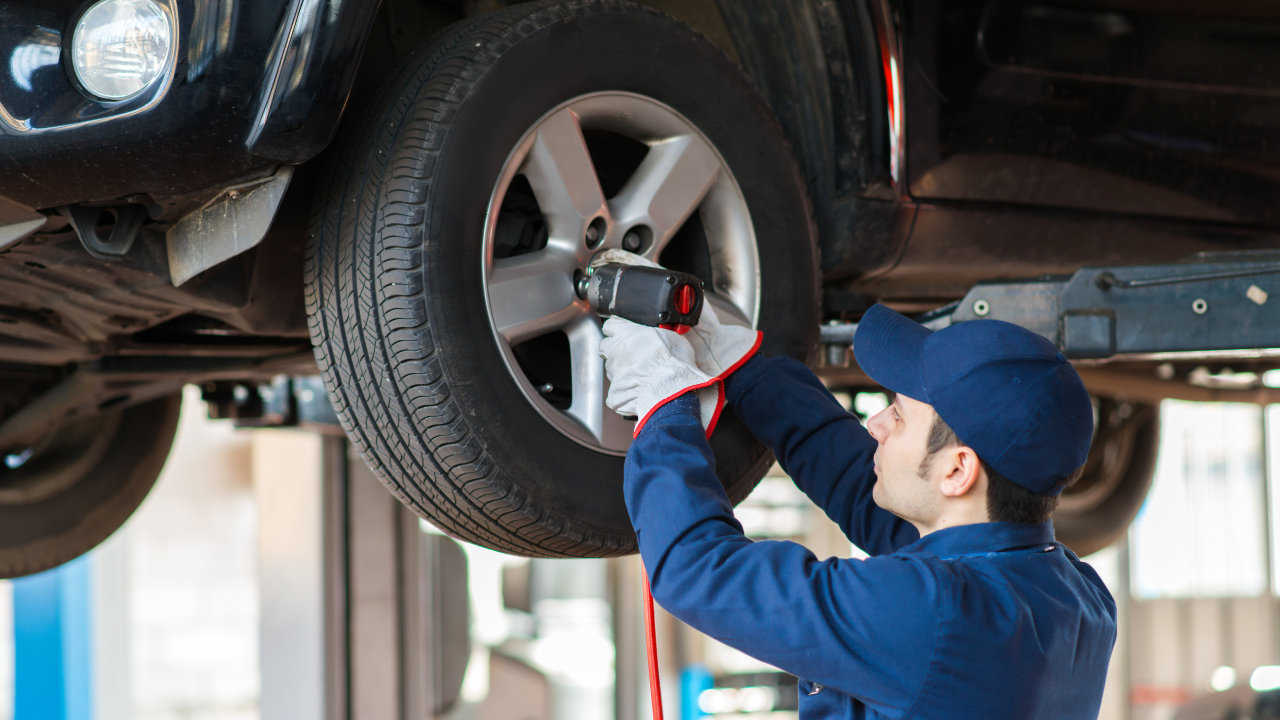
534 258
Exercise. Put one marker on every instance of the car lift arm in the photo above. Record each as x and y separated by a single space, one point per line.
1212 306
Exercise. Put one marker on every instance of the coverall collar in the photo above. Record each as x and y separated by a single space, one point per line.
981 538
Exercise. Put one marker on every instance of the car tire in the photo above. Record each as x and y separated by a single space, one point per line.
80 484
1097 510
455 420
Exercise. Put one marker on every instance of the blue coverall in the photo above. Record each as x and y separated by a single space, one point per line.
988 621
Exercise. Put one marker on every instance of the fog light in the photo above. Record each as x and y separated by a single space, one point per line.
121 47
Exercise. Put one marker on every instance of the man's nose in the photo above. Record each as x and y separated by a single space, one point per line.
877 426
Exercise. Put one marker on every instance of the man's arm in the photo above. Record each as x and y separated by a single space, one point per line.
867 628
824 449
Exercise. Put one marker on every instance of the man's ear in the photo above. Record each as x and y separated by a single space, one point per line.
962 471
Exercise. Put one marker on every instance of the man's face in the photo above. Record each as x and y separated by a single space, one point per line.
902 429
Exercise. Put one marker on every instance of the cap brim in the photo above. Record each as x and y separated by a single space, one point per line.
889 347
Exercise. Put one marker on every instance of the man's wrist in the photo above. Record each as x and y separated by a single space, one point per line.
747 375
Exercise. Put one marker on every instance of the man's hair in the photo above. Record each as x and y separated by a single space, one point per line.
1006 500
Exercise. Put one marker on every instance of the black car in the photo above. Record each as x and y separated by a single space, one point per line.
405 194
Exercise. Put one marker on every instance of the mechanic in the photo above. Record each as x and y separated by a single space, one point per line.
967 607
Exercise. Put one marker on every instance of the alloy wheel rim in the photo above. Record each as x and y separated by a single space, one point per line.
682 185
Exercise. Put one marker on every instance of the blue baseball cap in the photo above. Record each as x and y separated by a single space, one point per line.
1005 391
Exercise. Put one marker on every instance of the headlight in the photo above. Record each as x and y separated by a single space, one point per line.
120 47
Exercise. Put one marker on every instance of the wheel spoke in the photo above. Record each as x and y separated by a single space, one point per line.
591 386
531 295
728 313
668 186
563 178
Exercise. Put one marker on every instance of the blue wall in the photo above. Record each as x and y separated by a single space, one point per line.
52 638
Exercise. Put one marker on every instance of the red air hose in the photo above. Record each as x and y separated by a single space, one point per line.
651 644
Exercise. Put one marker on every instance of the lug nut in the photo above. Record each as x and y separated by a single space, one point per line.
596 231
631 241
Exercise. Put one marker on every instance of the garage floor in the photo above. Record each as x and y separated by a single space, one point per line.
270 576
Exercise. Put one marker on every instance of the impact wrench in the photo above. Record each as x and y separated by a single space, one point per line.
657 298
645 295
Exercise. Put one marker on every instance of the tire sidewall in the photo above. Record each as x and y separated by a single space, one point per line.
1090 530
43 534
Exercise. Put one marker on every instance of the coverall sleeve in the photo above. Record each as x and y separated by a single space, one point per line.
865 627
825 450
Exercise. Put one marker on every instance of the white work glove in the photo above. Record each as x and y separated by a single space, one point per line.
721 349
718 349
649 367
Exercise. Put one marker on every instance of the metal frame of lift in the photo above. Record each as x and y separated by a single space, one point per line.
1211 306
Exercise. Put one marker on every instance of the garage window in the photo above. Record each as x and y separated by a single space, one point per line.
1204 529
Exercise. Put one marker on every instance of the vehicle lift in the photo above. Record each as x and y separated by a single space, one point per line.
1212 307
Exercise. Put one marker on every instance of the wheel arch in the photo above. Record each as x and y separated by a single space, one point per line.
817 62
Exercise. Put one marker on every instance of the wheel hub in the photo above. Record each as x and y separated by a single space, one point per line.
578 204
